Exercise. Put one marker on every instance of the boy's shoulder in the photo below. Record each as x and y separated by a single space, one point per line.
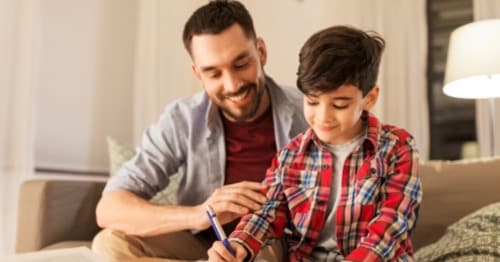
395 134
299 142
383 133
297 152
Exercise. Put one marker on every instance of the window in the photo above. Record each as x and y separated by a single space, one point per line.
452 120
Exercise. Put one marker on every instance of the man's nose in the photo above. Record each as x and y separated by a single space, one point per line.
231 83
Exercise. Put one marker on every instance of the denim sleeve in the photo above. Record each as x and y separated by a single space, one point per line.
161 154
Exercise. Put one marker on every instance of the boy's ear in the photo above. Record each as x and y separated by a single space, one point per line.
371 98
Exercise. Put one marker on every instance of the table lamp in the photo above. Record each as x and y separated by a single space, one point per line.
473 65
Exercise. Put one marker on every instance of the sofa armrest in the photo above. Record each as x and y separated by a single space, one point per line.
52 211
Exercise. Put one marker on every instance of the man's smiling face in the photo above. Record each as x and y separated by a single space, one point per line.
230 67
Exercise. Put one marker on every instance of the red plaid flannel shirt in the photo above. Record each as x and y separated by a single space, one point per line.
378 205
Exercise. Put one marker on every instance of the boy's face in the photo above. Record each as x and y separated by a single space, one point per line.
230 67
335 116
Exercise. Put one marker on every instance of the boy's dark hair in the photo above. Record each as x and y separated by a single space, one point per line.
339 55
215 17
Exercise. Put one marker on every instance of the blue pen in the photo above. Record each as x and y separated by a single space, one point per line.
218 230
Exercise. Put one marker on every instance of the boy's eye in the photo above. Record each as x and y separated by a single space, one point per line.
311 103
340 107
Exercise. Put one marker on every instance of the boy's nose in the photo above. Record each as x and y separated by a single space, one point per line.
324 114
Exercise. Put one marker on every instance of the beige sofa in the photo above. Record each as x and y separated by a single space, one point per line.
55 213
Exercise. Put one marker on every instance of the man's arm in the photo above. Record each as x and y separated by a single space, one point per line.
124 211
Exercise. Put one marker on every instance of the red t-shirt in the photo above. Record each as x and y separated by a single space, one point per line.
250 147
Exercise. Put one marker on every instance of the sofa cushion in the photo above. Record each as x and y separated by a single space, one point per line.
451 190
472 238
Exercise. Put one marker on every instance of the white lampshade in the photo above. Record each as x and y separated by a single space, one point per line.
473 64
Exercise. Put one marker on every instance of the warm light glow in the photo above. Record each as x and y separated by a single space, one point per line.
474 87
473 63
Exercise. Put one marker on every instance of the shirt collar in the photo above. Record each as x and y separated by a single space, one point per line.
370 141
282 110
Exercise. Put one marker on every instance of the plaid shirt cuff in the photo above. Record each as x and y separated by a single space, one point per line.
251 244
363 254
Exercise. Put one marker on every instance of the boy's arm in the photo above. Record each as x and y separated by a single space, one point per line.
401 195
255 228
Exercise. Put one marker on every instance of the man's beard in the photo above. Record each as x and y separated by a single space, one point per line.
259 93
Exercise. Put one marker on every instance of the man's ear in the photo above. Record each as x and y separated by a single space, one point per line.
261 48
196 72
371 98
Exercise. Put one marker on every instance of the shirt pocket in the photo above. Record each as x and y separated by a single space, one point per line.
368 186
300 187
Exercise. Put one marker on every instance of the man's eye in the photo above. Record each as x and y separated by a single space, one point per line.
241 65
312 103
214 75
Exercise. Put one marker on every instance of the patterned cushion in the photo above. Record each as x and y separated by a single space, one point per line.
475 237
119 153
168 195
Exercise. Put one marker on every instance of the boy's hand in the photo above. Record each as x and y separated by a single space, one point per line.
218 252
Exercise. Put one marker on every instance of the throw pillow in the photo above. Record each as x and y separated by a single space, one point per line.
119 153
473 238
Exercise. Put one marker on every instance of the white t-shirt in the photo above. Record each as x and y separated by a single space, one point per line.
327 249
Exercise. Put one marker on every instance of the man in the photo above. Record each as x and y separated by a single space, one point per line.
221 141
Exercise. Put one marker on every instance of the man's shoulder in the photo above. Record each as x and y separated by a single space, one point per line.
194 104
284 92
290 92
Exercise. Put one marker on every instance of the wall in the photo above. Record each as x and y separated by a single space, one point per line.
285 25
85 81
163 68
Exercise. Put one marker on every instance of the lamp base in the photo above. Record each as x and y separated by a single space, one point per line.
491 101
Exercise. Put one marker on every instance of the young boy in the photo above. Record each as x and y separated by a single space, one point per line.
347 188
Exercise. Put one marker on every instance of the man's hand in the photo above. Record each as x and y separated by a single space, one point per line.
233 201
218 252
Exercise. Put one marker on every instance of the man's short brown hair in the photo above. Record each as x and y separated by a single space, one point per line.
215 17
339 55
